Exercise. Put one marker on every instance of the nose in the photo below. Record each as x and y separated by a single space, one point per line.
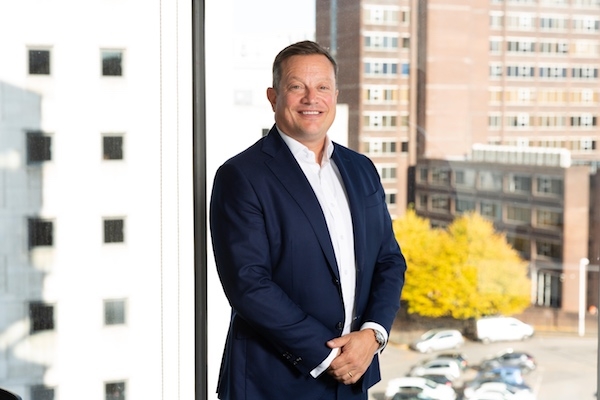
310 96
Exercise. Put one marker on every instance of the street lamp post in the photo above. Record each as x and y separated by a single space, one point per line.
582 292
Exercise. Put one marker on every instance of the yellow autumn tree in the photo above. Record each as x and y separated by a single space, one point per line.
465 271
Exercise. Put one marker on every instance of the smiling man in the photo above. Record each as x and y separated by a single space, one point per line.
304 249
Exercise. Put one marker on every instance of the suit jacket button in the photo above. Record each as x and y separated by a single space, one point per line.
339 326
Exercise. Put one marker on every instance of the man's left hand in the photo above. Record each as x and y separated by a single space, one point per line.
356 353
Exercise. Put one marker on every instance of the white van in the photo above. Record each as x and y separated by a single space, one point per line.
492 329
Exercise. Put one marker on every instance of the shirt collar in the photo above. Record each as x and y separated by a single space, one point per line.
298 148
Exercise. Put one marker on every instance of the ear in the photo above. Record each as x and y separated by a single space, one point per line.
272 96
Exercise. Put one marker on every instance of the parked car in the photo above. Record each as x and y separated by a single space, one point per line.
419 388
437 366
460 357
509 357
492 329
438 339
498 391
440 379
509 375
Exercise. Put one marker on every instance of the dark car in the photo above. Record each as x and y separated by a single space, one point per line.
510 358
460 357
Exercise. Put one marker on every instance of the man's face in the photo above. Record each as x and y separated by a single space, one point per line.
304 103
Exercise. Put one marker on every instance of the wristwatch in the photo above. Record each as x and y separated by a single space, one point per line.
379 338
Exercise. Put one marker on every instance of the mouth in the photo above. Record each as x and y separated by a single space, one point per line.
310 112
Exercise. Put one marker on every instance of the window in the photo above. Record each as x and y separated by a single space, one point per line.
549 218
521 184
112 63
491 210
381 68
440 203
585 73
464 178
41 392
112 147
520 244
39 62
115 391
464 205
490 180
40 232
114 312
39 147
549 249
549 185
41 317
390 198
388 173
517 214
422 200
114 231
440 176
422 176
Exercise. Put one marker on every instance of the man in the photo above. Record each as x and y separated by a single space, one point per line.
304 248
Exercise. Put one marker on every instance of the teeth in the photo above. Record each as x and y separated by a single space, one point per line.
310 112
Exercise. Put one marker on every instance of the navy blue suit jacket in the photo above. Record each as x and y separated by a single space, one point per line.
277 266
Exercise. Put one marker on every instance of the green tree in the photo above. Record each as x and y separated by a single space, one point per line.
467 270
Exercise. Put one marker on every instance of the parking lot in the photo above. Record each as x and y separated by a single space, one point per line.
566 364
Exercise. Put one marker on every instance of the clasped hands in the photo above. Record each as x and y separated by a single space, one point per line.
356 351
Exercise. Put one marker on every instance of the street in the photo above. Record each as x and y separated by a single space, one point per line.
566 364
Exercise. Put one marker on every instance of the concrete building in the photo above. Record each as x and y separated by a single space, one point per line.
426 80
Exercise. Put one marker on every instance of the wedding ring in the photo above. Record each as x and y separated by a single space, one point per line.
350 373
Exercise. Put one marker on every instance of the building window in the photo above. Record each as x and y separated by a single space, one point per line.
422 177
520 184
549 186
39 147
440 176
516 214
390 198
41 232
114 312
115 390
490 181
112 63
440 203
464 178
381 68
422 201
553 72
464 205
39 62
114 231
549 218
548 249
388 173
584 73
41 317
490 210
41 392
112 147
549 289
583 120
520 244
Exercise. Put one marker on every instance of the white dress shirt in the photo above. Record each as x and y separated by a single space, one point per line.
327 183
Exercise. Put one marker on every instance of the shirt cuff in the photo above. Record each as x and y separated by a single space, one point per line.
378 328
325 364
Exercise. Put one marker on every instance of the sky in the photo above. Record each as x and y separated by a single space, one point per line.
274 15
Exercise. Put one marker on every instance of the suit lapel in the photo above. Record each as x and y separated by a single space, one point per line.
288 172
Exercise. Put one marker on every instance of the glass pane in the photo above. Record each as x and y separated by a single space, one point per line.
500 124
96 204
